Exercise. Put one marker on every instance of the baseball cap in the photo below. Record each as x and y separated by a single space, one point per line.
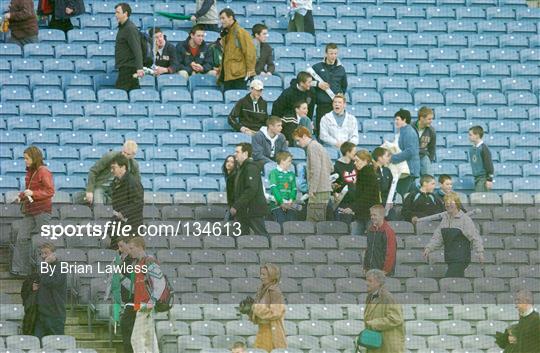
256 84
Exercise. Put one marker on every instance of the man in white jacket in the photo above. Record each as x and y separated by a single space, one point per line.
338 126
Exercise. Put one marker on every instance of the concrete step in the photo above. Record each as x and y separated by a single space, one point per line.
99 343
12 286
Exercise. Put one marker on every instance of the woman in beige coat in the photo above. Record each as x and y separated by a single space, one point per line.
268 311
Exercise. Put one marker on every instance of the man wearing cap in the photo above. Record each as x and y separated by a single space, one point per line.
250 113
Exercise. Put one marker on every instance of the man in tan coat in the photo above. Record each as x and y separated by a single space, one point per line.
239 55
319 168
383 314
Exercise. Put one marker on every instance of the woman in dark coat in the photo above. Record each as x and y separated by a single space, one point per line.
63 11
229 169
367 193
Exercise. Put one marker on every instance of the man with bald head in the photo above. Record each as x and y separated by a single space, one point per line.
98 189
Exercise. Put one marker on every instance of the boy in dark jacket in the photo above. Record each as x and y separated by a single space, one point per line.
381 243
250 113
334 77
249 204
422 203
51 294
299 90
165 54
381 159
265 55
192 53
427 139
346 171
268 142
481 162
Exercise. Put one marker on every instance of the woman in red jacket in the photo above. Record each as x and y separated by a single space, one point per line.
36 205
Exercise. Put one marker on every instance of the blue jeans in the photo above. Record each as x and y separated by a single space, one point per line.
425 165
284 216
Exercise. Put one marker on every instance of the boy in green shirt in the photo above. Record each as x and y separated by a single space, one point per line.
283 189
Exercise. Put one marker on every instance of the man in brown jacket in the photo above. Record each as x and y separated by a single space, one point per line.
239 56
22 22
319 168
383 314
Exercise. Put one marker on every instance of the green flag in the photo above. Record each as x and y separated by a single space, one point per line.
173 16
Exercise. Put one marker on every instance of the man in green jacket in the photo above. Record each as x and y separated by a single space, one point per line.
98 189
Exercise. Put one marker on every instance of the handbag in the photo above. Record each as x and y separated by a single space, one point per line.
5 26
369 339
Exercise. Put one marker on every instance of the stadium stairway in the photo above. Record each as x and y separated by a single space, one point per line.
94 337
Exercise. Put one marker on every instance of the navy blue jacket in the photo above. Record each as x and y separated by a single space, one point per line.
185 58
335 76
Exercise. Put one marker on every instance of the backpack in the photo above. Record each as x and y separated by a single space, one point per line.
166 301
146 48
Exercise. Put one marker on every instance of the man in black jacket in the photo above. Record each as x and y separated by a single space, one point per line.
427 139
128 53
334 77
192 53
299 90
265 55
127 196
165 55
250 113
51 294
249 204
423 202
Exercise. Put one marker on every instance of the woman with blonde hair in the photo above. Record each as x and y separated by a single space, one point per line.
456 232
268 310
367 192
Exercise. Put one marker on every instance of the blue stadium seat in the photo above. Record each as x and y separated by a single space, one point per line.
162 110
525 185
10 51
528 70
473 54
365 96
350 11
8 109
506 56
457 141
48 94
339 25
476 113
212 169
233 138
521 27
207 95
445 168
143 95
452 40
161 22
206 139
476 13
161 153
526 141
175 95
299 39
169 184
90 66
27 66
530 127
74 138
361 82
451 83
232 96
433 69
35 109
422 83
271 95
381 54
105 81
278 24
120 124
513 41
195 110
38 51
107 138
372 69
46 80
172 138
444 55
143 138
169 7
513 155
461 26
185 169
220 153
462 69
13 137
107 36
201 184
522 98
90 152
100 51
112 95
67 109
412 54
9 183
153 124
491 98
272 81
515 84
505 127
508 169
294 52
428 97
499 141
22 123
451 155
491 27
213 124
362 40
99 109
82 36
375 125
202 81
384 83
51 36
459 98
80 95
84 123
94 22
70 51
332 37
531 170
12 94
397 97
484 83
186 124
484 41
41 137
14 80
494 69
58 66
190 153
77 81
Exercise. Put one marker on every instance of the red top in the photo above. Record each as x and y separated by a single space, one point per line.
194 51
42 186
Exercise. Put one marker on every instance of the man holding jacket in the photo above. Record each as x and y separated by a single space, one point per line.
239 57
248 204
128 55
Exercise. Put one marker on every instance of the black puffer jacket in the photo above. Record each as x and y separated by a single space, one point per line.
284 105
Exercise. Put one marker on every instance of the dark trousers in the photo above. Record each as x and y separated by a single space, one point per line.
252 223
127 320
405 185
125 79
210 27
456 270
234 84
284 216
49 325
321 110
61 24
